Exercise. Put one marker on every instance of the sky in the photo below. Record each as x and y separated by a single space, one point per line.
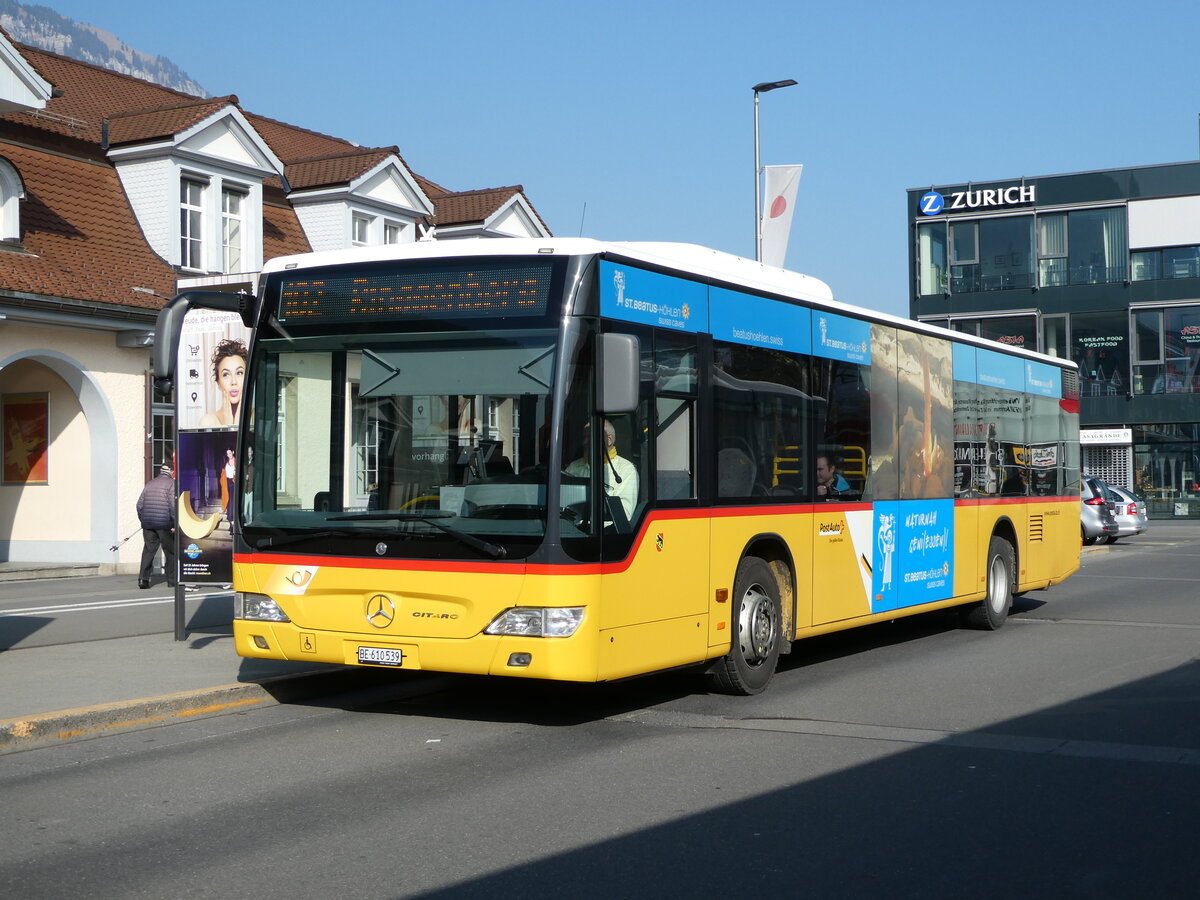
633 120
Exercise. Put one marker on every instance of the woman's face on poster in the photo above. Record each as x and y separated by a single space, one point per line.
231 371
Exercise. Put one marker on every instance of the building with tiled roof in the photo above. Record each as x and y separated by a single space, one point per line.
116 194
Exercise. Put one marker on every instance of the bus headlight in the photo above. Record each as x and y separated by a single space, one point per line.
257 606
537 621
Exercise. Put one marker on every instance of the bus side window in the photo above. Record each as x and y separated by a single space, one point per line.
675 385
630 447
844 420
675 476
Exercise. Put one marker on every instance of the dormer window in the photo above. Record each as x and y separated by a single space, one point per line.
213 168
191 223
360 230
11 191
370 231
213 238
232 231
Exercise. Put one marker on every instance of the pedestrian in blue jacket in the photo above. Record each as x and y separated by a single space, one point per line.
156 512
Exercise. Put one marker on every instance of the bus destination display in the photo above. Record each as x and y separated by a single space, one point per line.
441 293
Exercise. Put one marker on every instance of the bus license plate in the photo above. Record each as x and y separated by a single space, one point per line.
380 656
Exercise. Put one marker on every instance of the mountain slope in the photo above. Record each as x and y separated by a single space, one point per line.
43 27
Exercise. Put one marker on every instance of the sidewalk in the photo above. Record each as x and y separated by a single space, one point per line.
53 694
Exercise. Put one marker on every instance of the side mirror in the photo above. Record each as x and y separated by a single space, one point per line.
617 371
170 322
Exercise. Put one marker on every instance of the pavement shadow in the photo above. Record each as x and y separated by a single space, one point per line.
1093 798
213 610
499 699
14 629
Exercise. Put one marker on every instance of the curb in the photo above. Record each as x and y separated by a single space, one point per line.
104 719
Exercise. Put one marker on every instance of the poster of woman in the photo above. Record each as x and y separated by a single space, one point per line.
213 352
211 367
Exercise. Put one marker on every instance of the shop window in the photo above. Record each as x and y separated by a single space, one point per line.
1013 331
965 326
1166 462
1099 344
1166 350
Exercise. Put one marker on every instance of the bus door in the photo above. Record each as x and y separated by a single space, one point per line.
655 541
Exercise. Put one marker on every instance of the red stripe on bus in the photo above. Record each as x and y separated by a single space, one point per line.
596 568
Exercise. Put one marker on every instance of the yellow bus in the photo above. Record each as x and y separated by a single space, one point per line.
585 461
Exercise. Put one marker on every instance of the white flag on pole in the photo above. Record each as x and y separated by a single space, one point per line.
780 196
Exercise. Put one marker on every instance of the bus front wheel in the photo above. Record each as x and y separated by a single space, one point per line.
992 611
757 622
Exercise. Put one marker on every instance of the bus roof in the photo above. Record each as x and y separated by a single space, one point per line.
687 259
692 258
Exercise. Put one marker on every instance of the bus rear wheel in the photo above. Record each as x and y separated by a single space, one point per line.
992 611
757 622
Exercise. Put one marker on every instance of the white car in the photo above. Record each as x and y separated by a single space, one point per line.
1130 513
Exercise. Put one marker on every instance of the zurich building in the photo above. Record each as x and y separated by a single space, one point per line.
1101 267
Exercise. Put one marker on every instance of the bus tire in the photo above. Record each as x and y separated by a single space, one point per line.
992 611
757 626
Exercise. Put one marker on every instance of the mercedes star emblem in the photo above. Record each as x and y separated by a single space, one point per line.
381 611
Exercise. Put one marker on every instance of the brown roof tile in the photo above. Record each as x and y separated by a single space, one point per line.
340 168
89 94
466 207
82 239
157 124
471 207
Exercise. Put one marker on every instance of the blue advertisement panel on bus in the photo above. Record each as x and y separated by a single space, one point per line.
841 338
749 319
914 553
648 298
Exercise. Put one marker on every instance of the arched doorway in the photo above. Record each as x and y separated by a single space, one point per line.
72 517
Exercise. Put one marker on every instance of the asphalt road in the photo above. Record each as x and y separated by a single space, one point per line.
51 611
1058 757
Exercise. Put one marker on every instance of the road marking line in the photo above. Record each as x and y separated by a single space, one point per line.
103 604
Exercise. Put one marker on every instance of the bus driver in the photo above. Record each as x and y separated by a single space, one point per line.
620 476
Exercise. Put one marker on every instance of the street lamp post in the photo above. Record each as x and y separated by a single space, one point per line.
761 89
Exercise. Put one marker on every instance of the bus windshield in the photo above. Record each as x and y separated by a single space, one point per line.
428 445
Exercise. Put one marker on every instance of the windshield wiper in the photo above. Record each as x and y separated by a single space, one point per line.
429 518
284 539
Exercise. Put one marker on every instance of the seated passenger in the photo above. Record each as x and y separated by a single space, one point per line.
830 482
